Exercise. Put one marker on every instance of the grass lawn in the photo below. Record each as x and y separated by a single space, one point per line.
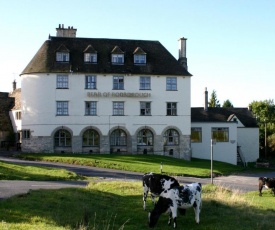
118 205
143 163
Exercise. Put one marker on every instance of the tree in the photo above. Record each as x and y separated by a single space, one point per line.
227 104
264 112
214 102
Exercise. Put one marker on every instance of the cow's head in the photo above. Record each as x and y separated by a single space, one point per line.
185 195
153 218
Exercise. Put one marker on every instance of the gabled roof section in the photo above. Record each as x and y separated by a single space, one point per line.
138 50
90 49
158 60
62 48
215 114
117 50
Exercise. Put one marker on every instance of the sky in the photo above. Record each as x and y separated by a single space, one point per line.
230 43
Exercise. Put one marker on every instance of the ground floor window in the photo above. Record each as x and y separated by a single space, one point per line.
118 137
145 137
90 138
196 135
62 138
220 134
171 137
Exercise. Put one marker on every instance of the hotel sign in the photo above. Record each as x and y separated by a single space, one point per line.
117 94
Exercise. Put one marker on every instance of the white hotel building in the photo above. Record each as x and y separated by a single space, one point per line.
91 95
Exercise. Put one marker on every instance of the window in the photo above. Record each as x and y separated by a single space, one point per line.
145 108
171 83
145 83
62 108
171 109
26 134
90 57
62 56
118 82
90 82
62 138
118 108
90 138
220 134
145 137
196 135
18 115
140 59
118 138
62 82
90 108
117 58
171 137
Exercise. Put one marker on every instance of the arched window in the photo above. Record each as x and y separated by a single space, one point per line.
90 138
145 137
171 137
118 137
62 138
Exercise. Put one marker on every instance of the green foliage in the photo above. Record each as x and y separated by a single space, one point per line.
227 104
264 111
114 205
271 142
214 102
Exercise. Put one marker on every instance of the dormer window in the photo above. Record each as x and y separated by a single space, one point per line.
62 54
117 56
90 55
139 56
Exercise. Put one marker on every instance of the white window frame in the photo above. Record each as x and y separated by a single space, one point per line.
90 57
171 108
26 134
220 134
118 108
62 108
145 108
140 59
62 81
198 136
90 82
62 56
117 58
118 83
145 83
171 83
91 108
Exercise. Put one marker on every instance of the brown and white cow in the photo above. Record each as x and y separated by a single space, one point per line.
156 184
182 198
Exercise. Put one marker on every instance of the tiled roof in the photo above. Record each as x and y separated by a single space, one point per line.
16 94
223 115
159 60
6 104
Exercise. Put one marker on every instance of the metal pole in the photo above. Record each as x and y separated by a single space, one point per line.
211 161
265 138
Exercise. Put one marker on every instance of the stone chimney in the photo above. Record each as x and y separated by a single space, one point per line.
63 32
206 99
14 85
182 52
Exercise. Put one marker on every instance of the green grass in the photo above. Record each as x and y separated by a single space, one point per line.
118 205
142 163
9 171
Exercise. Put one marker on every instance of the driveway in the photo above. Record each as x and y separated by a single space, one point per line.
242 183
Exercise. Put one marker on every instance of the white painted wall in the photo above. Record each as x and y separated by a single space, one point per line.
222 151
248 139
39 96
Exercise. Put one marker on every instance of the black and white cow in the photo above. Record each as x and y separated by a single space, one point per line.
156 184
268 183
182 198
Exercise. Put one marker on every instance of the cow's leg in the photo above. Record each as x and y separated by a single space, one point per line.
170 218
174 214
260 190
145 194
153 198
197 209
273 189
